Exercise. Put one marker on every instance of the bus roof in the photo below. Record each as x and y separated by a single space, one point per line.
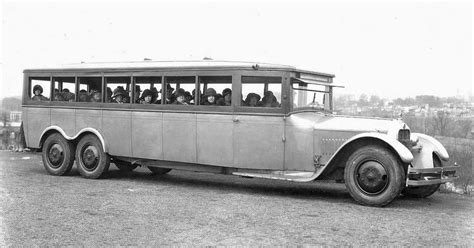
185 65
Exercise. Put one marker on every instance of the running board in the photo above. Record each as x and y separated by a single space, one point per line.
295 176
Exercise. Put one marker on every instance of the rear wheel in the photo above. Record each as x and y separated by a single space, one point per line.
58 155
91 159
158 171
423 191
374 176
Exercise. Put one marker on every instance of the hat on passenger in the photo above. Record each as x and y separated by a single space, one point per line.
38 87
226 91
146 93
252 95
168 87
180 92
210 92
119 91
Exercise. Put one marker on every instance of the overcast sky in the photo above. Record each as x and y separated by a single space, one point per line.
392 49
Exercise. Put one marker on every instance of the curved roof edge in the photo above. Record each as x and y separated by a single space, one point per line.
187 65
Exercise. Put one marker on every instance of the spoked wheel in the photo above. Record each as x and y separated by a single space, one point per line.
158 171
58 155
374 176
423 191
91 159
124 166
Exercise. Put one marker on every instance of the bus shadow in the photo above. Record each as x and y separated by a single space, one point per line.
228 184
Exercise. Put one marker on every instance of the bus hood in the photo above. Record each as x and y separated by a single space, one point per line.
330 122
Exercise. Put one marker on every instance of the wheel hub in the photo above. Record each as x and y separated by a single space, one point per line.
372 177
90 157
56 155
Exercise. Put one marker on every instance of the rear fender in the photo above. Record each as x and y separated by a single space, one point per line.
81 132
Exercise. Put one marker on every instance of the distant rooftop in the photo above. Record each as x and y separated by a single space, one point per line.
188 64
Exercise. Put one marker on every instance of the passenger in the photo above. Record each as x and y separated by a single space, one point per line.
68 96
108 97
189 98
209 97
252 100
119 95
58 96
147 97
38 94
96 96
169 94
155 95
226 100
83 96
193 96
180 95
269 100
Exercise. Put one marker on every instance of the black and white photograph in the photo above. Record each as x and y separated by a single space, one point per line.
236 123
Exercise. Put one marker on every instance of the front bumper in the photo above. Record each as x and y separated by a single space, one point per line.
430 176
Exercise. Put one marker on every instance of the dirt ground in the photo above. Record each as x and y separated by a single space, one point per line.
184 208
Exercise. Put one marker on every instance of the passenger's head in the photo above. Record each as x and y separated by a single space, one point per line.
210 95
137 91
119 95
268 97
83 97
147 96
252 99
58 96
37 90
109 93
227 93
96 96
180 95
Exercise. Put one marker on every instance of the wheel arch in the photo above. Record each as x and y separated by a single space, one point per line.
56 129
338 159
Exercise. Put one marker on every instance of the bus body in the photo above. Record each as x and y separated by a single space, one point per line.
289 134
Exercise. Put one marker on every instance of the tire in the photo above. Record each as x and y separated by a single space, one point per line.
374 176
423 191
124 166
158 171
92 161
58 155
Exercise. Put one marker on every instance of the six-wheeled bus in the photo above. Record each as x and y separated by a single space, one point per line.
239 118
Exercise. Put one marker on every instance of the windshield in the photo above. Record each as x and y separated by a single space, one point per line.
312 96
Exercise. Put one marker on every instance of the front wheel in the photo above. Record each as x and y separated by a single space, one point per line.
91 159
374 176
58 155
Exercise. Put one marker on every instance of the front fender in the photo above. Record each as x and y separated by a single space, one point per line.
61 131
403 152
424 149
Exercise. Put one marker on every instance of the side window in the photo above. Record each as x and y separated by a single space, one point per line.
118 89
40 88
64 89
215 90
90 89
147 90
261 91
179 90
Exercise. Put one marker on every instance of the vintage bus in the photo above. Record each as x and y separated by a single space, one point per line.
240 118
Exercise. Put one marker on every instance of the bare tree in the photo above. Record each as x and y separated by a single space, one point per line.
441 123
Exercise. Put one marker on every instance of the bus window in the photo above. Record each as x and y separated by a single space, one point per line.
64 89
147 86
40 88
90 89
118 89
218 86
179 90
261 91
